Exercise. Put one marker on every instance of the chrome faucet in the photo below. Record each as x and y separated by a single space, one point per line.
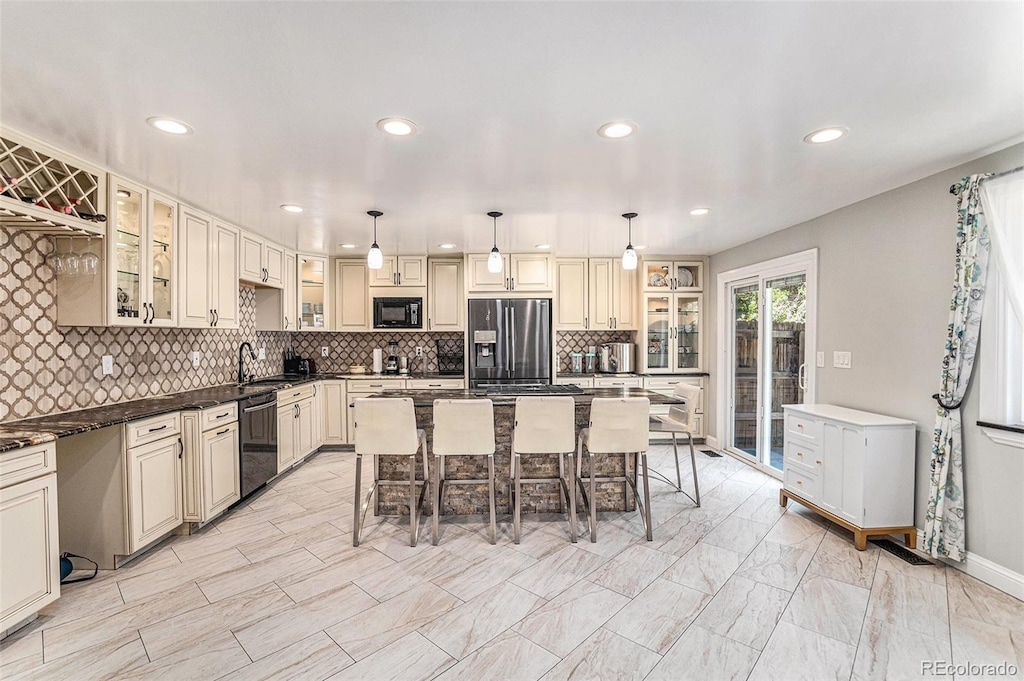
242 376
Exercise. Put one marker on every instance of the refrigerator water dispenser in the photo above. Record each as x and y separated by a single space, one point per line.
484 345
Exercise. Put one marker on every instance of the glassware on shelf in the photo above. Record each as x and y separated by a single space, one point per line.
89 261
72 263
56 259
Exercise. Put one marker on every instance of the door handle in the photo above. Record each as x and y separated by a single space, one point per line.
216 317
586 322
513 283
399 278
610 325
508 340
286 322
430 323
181 447
211 317
802 376
512 356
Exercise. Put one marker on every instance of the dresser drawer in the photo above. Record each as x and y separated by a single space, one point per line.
153 429
803 453
804 484
216 416
583 382
25 463
370 386
803 427
292 395
435 384
618 382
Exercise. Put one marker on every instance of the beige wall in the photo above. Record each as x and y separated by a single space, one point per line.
885 269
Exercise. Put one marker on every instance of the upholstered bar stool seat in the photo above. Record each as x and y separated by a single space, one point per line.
463 428
681 419
387 427
617 426
543 425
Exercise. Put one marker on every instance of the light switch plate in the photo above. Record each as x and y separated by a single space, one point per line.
262 354
108 365
842 360
323 351
820 359
195 359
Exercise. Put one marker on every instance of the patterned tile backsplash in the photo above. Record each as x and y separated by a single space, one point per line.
580 341
345 349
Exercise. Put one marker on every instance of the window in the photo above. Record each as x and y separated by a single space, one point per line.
1002 335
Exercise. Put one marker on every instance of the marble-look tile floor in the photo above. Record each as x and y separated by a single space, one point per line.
737 589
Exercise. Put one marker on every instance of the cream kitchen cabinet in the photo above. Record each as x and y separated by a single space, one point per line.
155 505
852 467
571 275
260 262
435 384
294 425
210 461
290 294
672 333
400 271
673 275
351 293
446 303
613 296
277 309
361 387
581 381
316 415
666 385
335 413
30 556
520 273
618 381
207 271
314 293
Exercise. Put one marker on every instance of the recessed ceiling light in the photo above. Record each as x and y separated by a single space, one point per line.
700 211
170 125
617 129
825 135
399 127
543 247
350 245
446 246
291 208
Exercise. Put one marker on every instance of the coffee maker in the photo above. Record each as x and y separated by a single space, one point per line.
391 364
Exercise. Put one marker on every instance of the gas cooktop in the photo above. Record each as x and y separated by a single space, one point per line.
513 389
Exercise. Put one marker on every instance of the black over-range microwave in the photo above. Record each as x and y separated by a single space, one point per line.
398 313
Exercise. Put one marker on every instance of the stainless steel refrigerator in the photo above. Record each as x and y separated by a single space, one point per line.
509 341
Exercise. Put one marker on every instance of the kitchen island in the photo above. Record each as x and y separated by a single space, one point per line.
537 498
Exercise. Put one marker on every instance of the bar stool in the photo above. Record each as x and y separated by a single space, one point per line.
387 427
543 425
463 428
681 418
617 426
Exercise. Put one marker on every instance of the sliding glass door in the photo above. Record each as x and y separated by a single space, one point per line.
766 358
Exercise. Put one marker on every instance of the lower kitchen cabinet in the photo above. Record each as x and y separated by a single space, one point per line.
317 416
29 561
210 463
154 490
666 385
335 421
294 425
361 388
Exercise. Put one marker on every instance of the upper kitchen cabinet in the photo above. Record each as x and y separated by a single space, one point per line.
672 329
673 275
520 273
401 270
142 251
290 293
613 295
208 271
260 262
571 301
277 309
351 291
314 294
445 300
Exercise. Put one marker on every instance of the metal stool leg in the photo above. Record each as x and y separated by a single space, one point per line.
593 501
413 524
693 462
356 528
518 490
490 490
675 450
436 497
647 498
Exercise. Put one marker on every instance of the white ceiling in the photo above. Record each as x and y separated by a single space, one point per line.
284 97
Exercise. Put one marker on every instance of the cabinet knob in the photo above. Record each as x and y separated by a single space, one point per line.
799 453
818 462
799 482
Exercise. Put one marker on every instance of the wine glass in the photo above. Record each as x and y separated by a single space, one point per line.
56 259
89 261
72 263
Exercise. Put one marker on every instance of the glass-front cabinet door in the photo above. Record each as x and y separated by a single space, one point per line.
673 326
163 221
129 256
658 331
687 331
673 275
313 303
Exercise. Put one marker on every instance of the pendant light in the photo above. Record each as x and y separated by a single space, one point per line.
629 255
494 259
374 258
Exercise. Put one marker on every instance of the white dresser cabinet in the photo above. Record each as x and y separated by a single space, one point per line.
29 563
852 467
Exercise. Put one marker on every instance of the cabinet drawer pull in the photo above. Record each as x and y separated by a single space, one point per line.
799 453
818 462
376 385
799 482
222 416
434 385
221 432
153 430
296 394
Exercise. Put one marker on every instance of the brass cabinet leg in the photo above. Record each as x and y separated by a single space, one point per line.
783 499
860 541
911 539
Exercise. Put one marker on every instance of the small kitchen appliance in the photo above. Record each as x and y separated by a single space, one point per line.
391 365
615 358
397 313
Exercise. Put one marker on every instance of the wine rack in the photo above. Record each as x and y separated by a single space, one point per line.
45 191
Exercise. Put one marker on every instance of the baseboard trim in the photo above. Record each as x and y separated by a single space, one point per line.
985 570
712 442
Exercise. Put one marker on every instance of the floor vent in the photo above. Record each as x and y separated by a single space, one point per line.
901 552
712 453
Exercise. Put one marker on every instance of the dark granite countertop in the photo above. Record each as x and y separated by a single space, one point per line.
425 398
40 429
569 374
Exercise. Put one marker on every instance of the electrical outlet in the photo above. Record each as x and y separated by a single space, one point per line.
419 352
261 354
196 357
323 351
820 359
842 360
108 365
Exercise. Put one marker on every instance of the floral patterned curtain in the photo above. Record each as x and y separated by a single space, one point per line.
944 520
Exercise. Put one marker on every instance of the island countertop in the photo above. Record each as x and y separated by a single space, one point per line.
425 398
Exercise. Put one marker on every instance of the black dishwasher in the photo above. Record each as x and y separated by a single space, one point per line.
257 446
